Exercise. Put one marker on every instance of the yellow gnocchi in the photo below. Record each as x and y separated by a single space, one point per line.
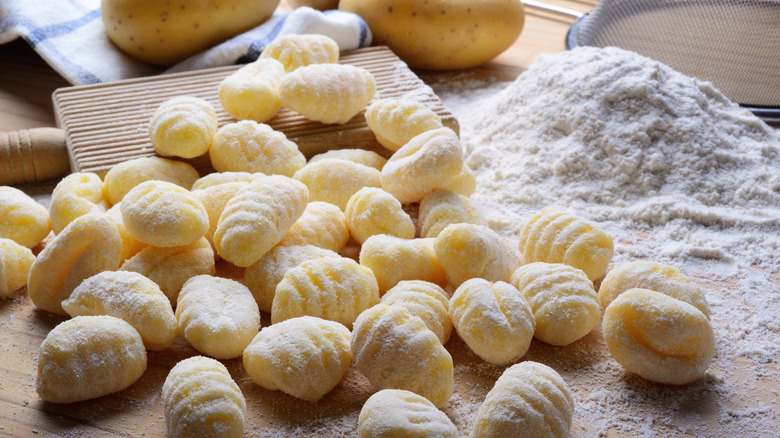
401 413
562 298
248 146
305 357
121 178
395 350
335 181
263 276
163 214
359 156
25 221
299 50
556 236
393 259
258 217
87 246
426 301
321 224
493 319
468 251
183 126
130 245
76 195
337 289
373 211
252 92
15 263
214 199
444 207
201 399
658 337
217 178
88 357
429 161
328 93
655 276
530 400
465 182
395 121
218 316
128 296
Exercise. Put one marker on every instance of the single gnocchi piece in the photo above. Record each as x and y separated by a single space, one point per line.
429 161
87 246
248 146
171 267
655 276
562 298
128 296
15 263
444 207
76 195
252 92
88 357
373 211
468 251
263 276
214 199
393 259
217 178
335 181
163 214
183 126
130 245
218 316
299 50
328 93
25 221
395 121
258 217
395 350
305 357
201 399
465 182
658 337
528 400
321 224
556 236
401 413
493 319
121 178
359 156
337 289
426 301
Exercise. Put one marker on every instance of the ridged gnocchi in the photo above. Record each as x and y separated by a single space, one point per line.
444 207
130 245
183 126
465 182
15 263
426 301
562 298
530 400
337 289
88 357
305 357
299 50
321 224
359 156
25 221
214 199
76 195
335 181
373 211
395 350
658 337
395 121
493 319
252 91
393 259
556 236
328 93
121 178
216 178
400 413
248 146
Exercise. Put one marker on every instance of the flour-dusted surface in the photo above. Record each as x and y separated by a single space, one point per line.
675 173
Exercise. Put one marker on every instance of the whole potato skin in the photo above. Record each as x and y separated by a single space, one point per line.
442 34
164 32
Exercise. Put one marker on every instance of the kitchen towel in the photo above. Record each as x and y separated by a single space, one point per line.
70 36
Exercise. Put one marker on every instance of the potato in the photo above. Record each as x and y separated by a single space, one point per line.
442 34
322 5
164 32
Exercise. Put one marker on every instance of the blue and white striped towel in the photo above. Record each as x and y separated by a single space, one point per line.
70 36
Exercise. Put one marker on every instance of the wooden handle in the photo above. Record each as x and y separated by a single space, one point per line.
33 155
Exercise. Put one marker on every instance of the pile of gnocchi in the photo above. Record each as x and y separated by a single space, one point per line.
133 263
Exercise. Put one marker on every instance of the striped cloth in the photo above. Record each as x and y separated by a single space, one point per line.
70 36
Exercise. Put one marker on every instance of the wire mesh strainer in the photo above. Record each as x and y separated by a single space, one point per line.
735 44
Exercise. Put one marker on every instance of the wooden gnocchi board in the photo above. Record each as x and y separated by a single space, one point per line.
106 124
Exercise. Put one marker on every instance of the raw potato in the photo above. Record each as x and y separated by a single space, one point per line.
164 33
442 35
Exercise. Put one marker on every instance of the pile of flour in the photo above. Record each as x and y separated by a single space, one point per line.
676 173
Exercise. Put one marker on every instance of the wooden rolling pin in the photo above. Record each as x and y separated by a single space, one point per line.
33 155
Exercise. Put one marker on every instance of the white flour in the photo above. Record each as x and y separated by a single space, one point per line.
676 173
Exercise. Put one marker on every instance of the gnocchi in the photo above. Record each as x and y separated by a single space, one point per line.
425 300
359 156
76 195
401 413
335 181
444 207
396 121
25 221
183 126
321 224
252 92
299 50
393 259
121 178
373 211
15 263
248 146
214 198
130 245
216 178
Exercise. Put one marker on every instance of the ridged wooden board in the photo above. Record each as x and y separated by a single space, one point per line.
106 124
